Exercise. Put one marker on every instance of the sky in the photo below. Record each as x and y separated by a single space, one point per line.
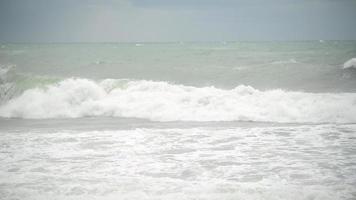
175 20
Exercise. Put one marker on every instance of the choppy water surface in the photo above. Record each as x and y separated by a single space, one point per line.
234 120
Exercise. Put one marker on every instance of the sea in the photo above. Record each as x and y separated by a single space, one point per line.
178 121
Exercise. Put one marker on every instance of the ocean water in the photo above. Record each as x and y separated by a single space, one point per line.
219 120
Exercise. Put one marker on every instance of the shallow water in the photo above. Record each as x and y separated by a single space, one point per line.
221 162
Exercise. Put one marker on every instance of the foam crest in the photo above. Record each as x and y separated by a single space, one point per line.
350 63
162 101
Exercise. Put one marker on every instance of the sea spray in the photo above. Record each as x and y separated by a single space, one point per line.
163 101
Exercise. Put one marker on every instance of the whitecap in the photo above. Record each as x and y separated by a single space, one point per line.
162 101
350 63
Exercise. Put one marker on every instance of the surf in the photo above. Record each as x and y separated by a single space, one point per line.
164 101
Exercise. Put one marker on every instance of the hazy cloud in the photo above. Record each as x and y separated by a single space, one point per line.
175 20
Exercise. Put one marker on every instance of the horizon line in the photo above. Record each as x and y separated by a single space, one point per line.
152 42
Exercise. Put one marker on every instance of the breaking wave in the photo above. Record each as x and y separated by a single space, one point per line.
6 84
162 101
350 63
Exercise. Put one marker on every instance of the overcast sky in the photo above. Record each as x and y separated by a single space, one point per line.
175 20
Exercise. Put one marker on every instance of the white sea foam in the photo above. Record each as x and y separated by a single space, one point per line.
162 101
350 63
268 163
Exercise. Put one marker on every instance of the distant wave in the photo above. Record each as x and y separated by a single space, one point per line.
350 63
162 101
290 61
277 62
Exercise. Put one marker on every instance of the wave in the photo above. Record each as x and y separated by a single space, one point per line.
162 101
277 63
6 84
350 63
4 72
290 61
